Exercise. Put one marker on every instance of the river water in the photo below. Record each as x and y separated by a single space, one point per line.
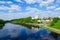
17 32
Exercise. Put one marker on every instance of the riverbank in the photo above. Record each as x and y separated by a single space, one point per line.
57 31
18 31
2 23
28 22
1 26
29 25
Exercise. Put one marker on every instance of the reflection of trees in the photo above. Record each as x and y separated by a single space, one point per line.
55 35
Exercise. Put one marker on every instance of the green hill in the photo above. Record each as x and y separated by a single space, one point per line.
55 23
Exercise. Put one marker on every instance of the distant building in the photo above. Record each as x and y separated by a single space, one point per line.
42 20
48 20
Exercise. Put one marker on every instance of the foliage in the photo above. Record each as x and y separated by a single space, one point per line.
34 21
22 20
52 24
55 23
2 23
55 19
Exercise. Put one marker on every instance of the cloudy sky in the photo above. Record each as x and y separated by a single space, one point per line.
14 9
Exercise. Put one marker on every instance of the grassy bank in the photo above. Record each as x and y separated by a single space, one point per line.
28 22
28 25
55 23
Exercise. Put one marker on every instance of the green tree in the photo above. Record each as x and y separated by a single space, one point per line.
55 19
2 21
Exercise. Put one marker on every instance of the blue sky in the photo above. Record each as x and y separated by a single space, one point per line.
14 9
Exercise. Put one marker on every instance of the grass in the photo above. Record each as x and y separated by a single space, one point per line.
56 25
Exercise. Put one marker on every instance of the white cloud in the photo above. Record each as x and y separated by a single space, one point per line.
41 2
46 3
5 2
30 12
12 13
51 7
58 9
9 16
3 8
34 11
57 1
14 8
33 1
30 1
18 0
31 9
11 9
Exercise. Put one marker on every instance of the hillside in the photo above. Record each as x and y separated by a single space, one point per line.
55 23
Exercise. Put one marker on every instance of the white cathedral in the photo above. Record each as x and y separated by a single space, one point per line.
36 17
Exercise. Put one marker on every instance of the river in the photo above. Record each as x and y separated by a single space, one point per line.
17 32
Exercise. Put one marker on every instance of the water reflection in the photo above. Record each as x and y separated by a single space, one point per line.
17 32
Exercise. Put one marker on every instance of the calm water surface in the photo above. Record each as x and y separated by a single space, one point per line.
18 32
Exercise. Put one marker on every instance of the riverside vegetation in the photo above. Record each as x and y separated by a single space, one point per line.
28 20
55 23
25 21
2 23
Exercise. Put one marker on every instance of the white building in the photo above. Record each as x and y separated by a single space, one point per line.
36 17
42 20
